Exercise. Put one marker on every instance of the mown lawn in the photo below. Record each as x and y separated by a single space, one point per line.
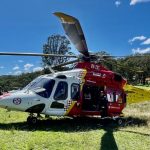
81 133
72 134
137 94
144 87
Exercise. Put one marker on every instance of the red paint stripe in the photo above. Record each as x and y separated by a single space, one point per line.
5 95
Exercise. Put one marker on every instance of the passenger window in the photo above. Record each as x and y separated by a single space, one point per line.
75 91
111 97
61 92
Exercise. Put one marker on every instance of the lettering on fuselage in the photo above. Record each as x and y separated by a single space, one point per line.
99 75
96 67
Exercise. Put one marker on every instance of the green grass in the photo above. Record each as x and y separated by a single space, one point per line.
136 94
144 87
81 133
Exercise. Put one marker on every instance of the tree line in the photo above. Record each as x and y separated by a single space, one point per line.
135 68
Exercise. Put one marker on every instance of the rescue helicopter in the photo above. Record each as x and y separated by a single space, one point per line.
89 89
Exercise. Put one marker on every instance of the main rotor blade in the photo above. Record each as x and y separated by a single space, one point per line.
123 56
36 54
67 63
74 31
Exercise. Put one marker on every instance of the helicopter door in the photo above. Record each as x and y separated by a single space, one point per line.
59 99
114 100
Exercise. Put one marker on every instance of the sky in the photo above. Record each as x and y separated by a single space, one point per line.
119 27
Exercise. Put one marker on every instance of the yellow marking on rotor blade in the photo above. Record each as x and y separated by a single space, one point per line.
69 109
65 18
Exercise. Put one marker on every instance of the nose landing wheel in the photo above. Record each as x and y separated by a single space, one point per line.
32 120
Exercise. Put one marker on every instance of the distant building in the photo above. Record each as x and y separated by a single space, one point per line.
147 80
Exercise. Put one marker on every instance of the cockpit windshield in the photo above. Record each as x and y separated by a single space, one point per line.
43 83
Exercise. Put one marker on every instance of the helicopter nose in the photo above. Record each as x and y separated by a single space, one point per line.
14 101
20 100
5 100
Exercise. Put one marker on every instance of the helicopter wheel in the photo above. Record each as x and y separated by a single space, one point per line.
31 120
120 121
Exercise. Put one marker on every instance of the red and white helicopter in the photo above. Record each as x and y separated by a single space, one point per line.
88 90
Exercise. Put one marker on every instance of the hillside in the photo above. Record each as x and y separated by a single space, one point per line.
10 82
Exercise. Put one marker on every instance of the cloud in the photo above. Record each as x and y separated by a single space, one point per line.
20 61
117 3
137 38
37 69
16 67
146 42
28 66
17 72
133 2
141 51
2 67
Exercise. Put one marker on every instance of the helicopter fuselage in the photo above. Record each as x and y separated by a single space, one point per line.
63 93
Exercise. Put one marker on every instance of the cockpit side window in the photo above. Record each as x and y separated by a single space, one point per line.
75 91
48 86
61 92
33 84
41 83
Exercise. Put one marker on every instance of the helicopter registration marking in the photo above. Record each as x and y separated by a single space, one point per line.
113 107
96 67
17 101
99 75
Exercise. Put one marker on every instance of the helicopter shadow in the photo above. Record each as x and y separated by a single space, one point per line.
57 125
107 141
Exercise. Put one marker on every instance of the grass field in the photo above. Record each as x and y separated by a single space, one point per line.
144 87
137 94
82 133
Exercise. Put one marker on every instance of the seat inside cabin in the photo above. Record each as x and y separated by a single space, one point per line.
92 97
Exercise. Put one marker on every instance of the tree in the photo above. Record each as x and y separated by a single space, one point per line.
135 68
56 44
108 62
